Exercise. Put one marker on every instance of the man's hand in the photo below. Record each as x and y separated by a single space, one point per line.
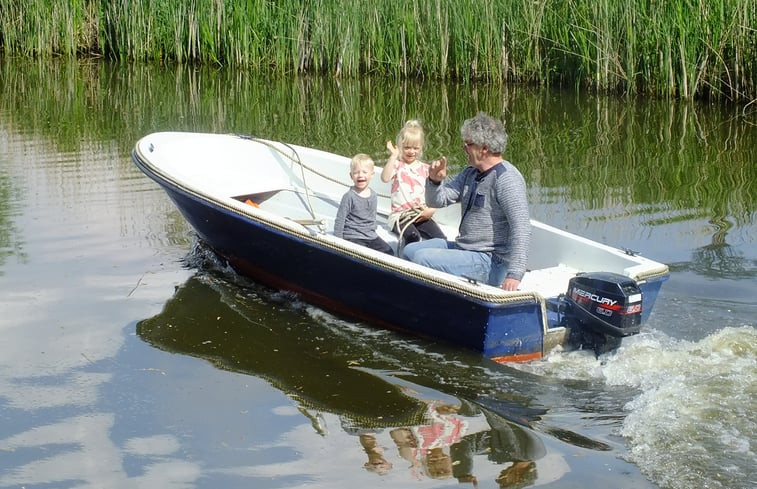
510 284
438 171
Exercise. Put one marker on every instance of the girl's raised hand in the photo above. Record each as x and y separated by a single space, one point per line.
394 151
391 163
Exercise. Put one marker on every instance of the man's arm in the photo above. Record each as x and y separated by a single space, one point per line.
512 196
441 193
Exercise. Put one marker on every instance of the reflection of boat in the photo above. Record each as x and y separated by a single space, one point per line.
267 208
209 319
248 336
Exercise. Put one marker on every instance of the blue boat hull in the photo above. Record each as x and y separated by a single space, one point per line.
360 289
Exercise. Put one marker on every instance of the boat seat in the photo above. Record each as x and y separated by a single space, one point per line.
292 204
549 282
388 236
309 222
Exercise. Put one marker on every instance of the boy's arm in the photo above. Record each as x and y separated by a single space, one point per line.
341 216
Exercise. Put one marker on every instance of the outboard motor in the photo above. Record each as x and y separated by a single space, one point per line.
601 308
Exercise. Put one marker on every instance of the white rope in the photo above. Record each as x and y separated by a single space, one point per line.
298 161
400 240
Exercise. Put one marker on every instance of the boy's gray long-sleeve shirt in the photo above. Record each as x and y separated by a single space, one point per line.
356 216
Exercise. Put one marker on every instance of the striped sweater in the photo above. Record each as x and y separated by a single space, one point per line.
494 207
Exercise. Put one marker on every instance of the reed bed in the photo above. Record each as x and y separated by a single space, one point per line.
680 48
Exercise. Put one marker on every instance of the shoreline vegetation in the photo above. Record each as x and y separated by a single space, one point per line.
670 48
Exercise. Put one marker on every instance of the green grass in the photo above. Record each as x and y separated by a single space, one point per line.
679 48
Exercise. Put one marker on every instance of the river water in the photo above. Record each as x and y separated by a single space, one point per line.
129 357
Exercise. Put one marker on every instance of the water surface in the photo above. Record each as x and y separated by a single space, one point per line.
131 358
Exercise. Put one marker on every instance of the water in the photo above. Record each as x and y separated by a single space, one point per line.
129 357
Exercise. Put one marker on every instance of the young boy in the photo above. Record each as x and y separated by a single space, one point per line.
356 217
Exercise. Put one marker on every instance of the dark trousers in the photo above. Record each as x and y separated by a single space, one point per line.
377 244
416 231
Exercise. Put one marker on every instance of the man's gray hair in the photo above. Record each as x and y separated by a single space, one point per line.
484 130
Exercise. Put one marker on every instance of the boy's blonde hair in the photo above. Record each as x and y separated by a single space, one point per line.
360 159
411 132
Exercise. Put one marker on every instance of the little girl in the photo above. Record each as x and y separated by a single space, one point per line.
410 218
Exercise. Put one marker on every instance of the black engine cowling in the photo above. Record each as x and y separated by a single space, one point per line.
601 308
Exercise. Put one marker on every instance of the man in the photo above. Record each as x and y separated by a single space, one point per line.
495 230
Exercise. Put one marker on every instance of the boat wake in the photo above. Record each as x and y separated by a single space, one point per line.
694 404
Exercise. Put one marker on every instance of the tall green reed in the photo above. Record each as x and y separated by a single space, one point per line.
680 48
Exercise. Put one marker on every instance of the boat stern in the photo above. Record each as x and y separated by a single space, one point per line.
516 333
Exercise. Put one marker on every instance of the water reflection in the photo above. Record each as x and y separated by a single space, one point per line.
445 445
10 241
89 455
437 435
719 259
598 151
296 357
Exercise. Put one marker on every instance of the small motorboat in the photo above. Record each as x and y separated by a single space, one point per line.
267 208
